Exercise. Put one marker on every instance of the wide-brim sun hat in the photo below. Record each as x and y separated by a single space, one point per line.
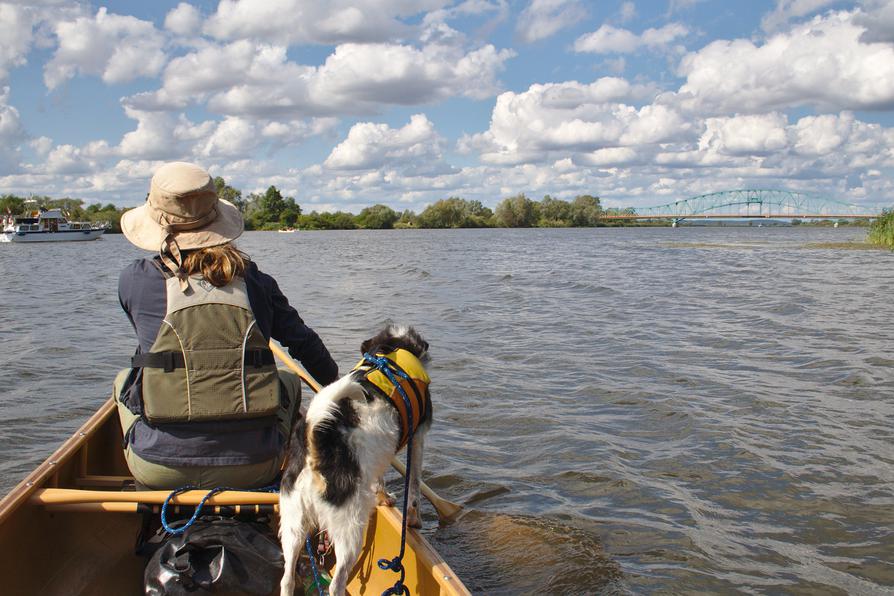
182 212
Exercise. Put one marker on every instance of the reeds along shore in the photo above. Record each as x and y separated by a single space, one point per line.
882 230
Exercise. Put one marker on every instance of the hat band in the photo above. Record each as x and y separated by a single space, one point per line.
165 219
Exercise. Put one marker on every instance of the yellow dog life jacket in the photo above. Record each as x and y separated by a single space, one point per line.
415 389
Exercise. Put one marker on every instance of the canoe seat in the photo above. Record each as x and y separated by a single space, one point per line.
99 481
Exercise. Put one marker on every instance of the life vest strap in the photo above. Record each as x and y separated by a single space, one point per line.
173 360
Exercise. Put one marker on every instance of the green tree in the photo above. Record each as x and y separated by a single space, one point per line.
339 220
377 217
407 219
455 213
881 232
446 213
516 212
228 193
477 215
11 204
554 213
585 211
272 203
289 216
270 211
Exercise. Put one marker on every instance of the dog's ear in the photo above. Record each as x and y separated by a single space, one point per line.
364 347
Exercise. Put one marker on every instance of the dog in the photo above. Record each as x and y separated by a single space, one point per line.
339 452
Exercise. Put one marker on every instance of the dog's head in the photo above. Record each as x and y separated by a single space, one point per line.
394 337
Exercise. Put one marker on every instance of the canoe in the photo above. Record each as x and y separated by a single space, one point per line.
70 528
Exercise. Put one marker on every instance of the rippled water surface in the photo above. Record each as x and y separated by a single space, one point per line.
623 410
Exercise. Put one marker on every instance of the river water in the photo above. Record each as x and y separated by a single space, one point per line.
624 411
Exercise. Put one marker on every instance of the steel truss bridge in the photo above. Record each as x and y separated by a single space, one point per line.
750 203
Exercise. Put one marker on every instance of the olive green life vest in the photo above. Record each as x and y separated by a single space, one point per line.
415 389
209 361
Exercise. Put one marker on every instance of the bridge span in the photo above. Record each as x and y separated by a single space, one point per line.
749 203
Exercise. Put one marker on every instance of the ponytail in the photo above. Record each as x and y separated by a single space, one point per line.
217 264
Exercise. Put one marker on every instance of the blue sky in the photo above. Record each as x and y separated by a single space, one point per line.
345 104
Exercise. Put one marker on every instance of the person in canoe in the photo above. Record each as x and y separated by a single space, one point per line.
203 403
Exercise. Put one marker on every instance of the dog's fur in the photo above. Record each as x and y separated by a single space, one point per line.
337 457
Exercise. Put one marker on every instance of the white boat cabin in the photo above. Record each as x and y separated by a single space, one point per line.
47 225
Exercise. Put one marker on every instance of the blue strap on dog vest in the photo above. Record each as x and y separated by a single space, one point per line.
391 370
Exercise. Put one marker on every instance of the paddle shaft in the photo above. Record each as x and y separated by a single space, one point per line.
446 509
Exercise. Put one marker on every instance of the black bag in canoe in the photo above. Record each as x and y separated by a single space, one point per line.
217 556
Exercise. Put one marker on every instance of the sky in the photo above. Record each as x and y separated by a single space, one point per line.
343 105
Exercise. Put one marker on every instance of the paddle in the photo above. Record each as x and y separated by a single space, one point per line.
446 509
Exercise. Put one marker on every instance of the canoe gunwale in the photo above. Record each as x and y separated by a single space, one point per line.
44 472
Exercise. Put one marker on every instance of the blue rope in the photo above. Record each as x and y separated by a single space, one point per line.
389 369
313 566
208 495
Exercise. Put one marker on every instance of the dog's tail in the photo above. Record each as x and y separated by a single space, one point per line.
296 454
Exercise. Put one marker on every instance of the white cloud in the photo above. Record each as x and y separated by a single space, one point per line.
232 137
745 135
15 37
258 76
369 75
184 19
608 39
311 21
627 11
544 18
609 157
114 47
676 6
821 63
245 79
369 145
569 117
831 135
41 146
11 132
168 136
878 19
67 159
294 131
787 10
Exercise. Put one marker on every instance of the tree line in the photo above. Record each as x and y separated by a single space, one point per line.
271 210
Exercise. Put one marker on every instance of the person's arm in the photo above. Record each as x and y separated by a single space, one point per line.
302 342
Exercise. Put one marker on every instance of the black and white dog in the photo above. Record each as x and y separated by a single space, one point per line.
339 452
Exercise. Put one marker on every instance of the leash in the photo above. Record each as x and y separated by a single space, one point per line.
390 369
313 566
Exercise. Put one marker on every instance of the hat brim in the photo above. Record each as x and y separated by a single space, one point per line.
144 232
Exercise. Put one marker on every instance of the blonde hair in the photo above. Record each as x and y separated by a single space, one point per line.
217 264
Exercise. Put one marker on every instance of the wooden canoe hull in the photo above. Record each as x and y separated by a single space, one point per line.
87 549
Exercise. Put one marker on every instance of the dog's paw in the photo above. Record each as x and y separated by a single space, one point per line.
385 498
414 519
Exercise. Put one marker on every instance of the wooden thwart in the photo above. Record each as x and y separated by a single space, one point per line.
113 507
60 496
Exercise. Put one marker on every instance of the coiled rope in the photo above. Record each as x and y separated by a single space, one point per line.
195 515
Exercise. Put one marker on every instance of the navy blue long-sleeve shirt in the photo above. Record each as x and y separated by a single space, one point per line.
141 291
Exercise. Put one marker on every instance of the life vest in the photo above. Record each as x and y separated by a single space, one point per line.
209 360
416 389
